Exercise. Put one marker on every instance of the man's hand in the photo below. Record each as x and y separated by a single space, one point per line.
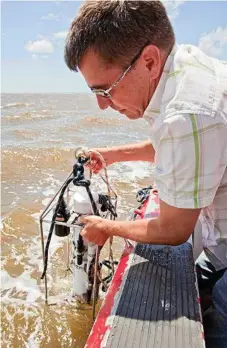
95 230
95 163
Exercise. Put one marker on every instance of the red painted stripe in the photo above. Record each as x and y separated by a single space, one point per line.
100 326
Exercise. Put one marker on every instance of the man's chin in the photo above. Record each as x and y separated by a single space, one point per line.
131 115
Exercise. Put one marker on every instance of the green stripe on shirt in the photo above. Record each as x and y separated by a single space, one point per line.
197 159
189 135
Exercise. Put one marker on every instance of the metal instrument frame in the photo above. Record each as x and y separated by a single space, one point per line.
71 221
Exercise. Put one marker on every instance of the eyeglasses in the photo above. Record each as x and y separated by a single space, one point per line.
106 92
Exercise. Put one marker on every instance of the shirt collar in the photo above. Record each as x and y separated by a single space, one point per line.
154 105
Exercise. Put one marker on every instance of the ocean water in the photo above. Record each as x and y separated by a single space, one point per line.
39 135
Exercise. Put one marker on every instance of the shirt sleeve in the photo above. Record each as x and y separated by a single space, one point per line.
190 160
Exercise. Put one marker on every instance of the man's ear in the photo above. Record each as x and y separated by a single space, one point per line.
152 59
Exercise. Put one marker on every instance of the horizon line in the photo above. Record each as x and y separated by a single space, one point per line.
46 93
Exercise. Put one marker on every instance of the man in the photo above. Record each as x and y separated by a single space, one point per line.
127 54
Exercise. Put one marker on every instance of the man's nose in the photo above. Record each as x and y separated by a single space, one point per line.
103 102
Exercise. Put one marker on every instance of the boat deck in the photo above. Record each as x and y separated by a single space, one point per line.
157 304
153 299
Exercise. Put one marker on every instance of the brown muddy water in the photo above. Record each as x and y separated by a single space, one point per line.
39 134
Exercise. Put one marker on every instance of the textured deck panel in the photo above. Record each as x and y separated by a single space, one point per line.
158 304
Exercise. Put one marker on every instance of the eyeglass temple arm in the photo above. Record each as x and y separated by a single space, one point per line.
118 80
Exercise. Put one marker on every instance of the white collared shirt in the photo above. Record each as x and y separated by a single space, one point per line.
188 119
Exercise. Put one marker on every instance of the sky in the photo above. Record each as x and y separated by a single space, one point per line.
33 34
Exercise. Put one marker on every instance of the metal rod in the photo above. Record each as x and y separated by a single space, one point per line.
68 251
68 239
48 210
60 223
48 205
42 243
94 299
111 189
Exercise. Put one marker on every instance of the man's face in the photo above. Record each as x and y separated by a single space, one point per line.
132 94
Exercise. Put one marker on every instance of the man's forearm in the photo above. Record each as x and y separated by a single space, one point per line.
143 231
134 152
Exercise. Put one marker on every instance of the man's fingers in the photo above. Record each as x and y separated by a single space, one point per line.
96 170
95 165
82 232
82 220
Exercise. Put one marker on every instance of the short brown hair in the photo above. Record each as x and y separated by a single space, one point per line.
117 30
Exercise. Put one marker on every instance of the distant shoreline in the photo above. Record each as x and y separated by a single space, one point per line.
86 93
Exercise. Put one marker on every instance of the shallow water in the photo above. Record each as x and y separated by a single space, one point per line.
39 134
